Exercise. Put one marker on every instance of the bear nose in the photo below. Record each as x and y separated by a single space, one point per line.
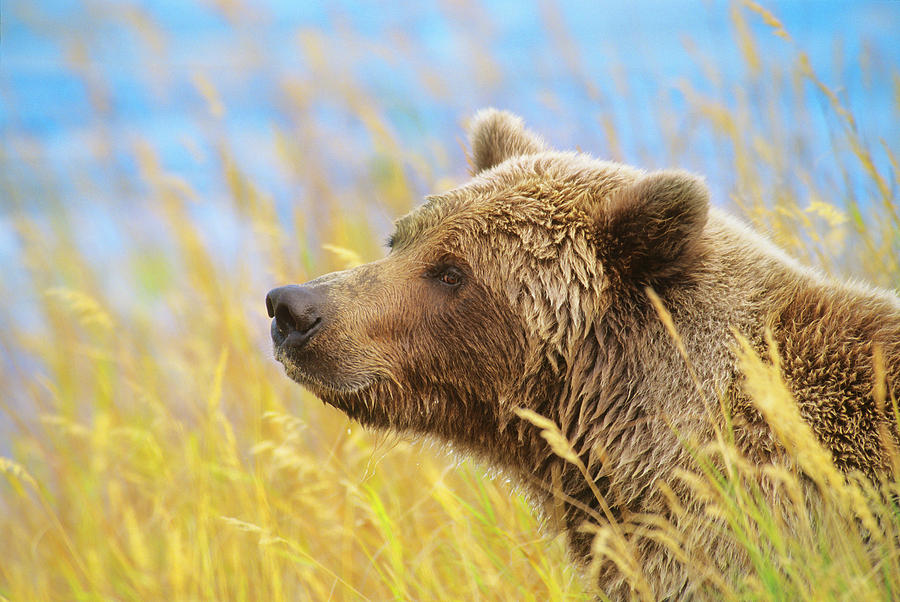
296 309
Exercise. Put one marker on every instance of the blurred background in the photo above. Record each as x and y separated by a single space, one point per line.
366 98
163 164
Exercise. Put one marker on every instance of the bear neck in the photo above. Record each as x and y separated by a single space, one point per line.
619 400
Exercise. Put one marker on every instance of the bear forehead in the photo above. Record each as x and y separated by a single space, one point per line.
548 190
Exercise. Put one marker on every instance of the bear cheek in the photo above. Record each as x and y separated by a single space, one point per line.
467 345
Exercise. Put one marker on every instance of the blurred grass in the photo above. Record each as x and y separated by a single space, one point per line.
157 452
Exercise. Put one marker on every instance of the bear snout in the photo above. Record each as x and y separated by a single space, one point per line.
297 313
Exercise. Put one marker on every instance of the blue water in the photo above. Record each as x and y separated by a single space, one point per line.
83 85
143 56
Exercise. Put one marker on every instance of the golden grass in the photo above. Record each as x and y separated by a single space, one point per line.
159 453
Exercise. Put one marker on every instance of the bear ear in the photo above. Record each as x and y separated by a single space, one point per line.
651 228
495 136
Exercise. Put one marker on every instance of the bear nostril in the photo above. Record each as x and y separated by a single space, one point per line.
284 319
270 308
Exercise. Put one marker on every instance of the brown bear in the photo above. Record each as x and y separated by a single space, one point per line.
527 287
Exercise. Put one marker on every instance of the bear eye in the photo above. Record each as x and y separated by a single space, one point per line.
450 276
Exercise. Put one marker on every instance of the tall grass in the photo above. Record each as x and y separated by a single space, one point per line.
157 451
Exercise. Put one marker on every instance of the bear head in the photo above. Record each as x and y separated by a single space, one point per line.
491 290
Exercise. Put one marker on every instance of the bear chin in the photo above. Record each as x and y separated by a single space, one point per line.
333 389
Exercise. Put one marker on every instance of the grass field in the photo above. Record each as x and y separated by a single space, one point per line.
157 452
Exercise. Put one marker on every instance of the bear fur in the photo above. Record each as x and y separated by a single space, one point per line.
526 287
